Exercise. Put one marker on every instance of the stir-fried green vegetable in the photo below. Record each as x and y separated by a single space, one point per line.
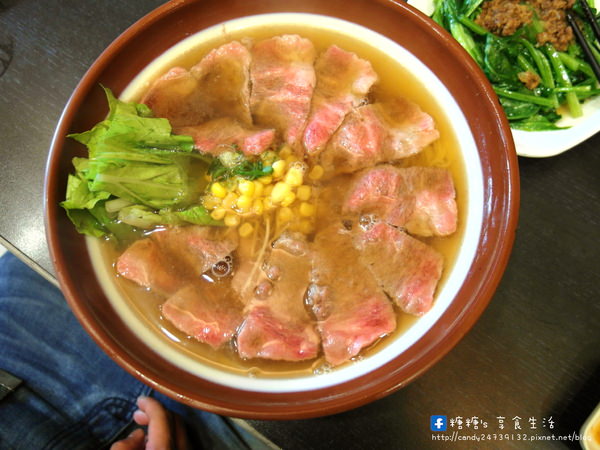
137 175
565 78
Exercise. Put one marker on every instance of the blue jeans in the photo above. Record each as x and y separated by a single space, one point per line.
72 395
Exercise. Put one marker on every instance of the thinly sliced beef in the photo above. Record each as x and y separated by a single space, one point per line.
406 268
283 80
220 135
248 270
357 144
277 325
352 310
265 335
172 258
174 96
343 81
224 82
197 247
250 273
379 132
218 86
144 263
420 199
409 128
205 312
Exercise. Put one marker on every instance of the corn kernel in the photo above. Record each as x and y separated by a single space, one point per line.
245 230
210 201
258 189
285 214
285 151
232 220
218 190
268 203
278 168
280 190
267 179
258 206
305 226
218 213
229 201
244 203
307 209
316 173
288 199
246 187
303 193
294 176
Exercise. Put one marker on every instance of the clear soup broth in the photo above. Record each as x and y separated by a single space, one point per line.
394 80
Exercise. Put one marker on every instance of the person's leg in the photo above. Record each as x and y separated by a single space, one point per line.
72 394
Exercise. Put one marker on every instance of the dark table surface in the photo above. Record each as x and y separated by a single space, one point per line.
535 353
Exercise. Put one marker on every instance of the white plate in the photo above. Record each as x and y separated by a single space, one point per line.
541 144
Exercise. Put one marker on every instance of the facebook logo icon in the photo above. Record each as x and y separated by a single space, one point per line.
438 423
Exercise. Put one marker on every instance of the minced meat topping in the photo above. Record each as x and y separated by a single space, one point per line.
529 79
504 17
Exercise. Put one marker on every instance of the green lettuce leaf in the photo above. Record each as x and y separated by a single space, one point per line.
79 196
86 223
80 201
96 222
132 124
198 215
154 185
143 217
148 176
135 156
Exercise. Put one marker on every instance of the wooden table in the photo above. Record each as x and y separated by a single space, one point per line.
535 352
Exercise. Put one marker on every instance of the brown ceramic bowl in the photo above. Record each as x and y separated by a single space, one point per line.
488 236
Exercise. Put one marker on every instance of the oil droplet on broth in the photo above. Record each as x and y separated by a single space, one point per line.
222 268
322 368
367 221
